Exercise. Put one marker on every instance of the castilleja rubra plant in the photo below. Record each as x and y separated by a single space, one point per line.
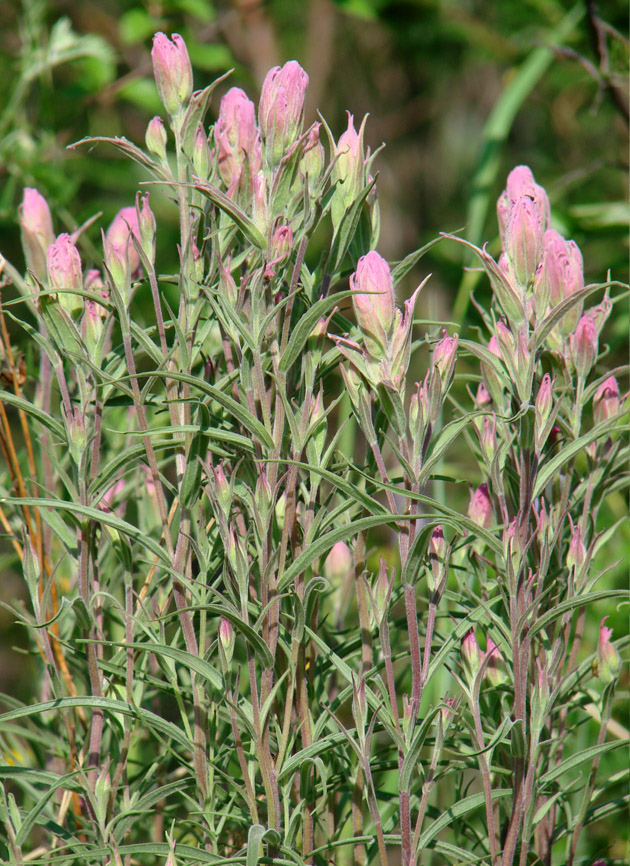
262 633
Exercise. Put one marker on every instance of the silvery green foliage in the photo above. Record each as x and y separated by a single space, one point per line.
227 670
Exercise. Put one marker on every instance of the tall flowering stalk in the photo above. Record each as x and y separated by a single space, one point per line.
234 662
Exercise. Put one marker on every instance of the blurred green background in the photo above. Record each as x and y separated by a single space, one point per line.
460 91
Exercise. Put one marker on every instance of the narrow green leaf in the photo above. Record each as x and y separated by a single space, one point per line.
20 403
98 516
569 450
304 328
403 267
229 404
463 807
245 224
148 718
580 758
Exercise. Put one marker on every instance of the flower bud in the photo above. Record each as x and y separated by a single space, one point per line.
437 552
559 277
471 655
480 507
520 182
227 639
146 229
263 495
281 243
583 345
201 153
544 527
374 305
544 400
92 329
496 670
488 438
606 400
348 171
381 591
338 564
173 72
65 272
608 661
238 139
312 162
281 108
444 357
576 555
118 236
155 138
260 207
524 240
76 433
36 231
222 492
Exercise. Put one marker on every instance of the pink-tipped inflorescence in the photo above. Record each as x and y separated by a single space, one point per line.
36 231
173 72
281 109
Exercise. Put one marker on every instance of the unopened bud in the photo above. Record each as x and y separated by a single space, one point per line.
606 400
36 231
338 565
374 304
583 345
155 138
146 228
281 243
471 655
281 108
201 153
437 552
544 400
227 639
608 662
520 182
173 72
238 140
222 490
444 357
559 277
77 436
65 272
496 670
488 438
381 591
524 241
348 171
576 555
312 162
480 507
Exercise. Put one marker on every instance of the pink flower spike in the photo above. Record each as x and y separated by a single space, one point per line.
237 137
173 72
281 108
374 303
